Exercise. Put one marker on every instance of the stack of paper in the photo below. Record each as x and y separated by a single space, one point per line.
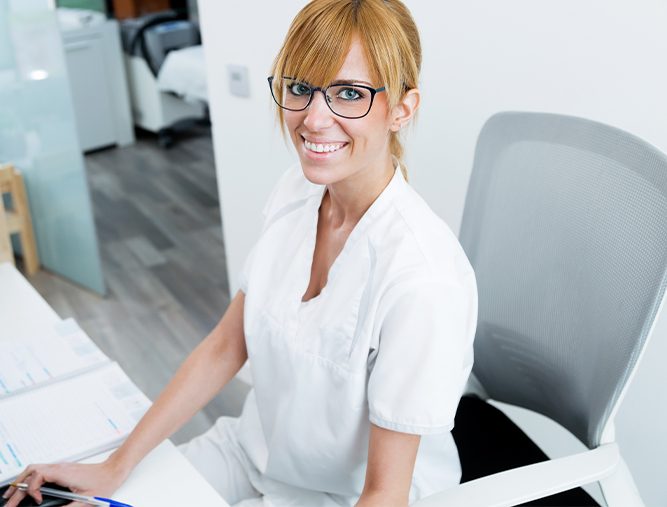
27 362
61 399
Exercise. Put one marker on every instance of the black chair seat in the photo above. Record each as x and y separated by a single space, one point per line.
489 443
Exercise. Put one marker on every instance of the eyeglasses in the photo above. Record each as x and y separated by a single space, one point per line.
350 101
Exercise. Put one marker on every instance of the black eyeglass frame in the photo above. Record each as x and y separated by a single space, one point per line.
313 89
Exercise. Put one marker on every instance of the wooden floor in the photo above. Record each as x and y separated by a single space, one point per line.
158 223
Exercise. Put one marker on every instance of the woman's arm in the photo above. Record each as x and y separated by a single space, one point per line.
391 461
201 376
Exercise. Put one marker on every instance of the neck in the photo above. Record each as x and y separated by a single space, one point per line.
346 201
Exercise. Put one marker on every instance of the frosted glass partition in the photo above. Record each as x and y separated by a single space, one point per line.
38 135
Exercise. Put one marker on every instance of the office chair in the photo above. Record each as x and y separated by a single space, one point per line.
565 224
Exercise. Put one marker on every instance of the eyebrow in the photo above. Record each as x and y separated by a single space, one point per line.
351 81
340 81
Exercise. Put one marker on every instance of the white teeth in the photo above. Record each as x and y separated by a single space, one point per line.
323 148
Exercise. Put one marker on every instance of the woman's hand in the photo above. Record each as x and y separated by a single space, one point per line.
98 479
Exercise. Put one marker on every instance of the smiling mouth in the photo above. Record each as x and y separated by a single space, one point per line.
324 147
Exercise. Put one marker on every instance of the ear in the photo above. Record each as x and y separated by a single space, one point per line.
405 109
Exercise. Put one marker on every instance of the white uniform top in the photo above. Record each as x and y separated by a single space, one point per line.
388 340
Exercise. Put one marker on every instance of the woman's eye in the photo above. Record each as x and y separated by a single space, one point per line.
350 94
299 89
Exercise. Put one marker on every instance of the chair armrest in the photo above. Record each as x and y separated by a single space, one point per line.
523 484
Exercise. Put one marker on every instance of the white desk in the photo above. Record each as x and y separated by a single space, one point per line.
165 477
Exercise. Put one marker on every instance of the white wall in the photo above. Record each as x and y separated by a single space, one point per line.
600 59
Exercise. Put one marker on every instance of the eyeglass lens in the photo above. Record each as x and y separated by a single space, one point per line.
344 99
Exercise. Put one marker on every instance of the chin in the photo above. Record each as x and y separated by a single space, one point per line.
316 175
320 174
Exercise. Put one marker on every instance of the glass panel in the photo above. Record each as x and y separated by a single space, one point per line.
38 135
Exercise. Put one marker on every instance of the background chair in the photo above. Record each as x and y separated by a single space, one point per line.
565 224
16 220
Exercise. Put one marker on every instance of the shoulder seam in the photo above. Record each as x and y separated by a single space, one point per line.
413 235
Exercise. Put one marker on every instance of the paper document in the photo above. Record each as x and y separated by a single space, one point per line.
68 420
28 362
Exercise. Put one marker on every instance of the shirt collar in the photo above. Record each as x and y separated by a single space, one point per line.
378 206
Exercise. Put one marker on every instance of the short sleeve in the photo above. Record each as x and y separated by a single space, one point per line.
245 271
424 355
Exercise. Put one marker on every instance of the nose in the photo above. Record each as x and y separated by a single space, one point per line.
318 114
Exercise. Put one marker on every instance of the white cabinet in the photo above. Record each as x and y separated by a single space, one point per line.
98 84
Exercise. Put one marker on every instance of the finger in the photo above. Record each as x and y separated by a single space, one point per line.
77 504
36 481
16 498
20 478
14 494
9 492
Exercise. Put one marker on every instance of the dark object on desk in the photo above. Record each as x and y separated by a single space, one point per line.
47 501
489 443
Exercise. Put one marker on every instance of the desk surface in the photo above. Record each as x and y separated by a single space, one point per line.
165 476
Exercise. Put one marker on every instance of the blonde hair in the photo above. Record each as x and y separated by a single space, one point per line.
320 37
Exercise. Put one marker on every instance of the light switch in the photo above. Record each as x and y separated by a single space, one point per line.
239 84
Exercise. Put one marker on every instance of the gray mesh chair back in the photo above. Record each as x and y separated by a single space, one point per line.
565 224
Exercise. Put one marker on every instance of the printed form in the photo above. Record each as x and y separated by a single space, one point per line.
27 362
68 420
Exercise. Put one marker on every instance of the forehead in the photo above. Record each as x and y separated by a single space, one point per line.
355 66
321 57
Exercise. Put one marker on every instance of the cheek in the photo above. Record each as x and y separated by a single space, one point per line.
374 128
371 136
292 119
291 123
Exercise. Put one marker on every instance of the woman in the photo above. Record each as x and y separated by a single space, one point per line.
357 306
